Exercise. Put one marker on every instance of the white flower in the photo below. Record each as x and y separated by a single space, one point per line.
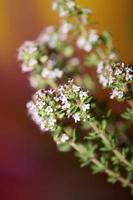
74 61
116 93
51 63
85 107
57 73
129 74
63 98
81 42
40 104
26 68
103 80
52 122
71 4
76 88
118 71
76 117
100 67
112 56
67 105
63 13
55 5
64 102
32 62
45 73
64 138
49 109
51 74
30 105
83 94
66 27
88 47
28 47
93 36
45 35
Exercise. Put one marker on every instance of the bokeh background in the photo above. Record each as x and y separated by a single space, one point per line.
30 166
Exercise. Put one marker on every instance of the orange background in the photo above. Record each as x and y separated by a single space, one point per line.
30 166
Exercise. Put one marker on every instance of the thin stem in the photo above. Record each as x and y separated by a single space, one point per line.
108 171
52 84
116 152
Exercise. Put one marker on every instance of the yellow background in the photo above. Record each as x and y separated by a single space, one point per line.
22 19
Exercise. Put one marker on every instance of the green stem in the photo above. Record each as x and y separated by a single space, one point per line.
116 152
52 84
108 171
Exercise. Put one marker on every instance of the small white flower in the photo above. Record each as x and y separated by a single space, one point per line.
64 138
32 62
116 93
100 67
103 80
81 42
51 74
88 47
71 4
118 71
85 107
45 73
28 47
63 13
63 98
45 35
76 117
57 73
129 74
93 36
66 27
55 5
52 122
67 105
83 94
49 109
26 68
76 88
74 61
112 56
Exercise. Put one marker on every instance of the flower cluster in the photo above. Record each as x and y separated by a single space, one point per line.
28 54
116 76
48 57
86 42
43 109
51 37
75 102
65 7
48 107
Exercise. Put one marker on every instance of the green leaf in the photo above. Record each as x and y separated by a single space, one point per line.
88 83
64 147
92 59
107 38
92 136
128 114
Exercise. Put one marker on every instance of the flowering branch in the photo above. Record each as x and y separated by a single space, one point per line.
50 109
73 115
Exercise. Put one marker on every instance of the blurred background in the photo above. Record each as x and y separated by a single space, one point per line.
30 166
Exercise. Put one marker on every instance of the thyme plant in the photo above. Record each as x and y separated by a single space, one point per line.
66 102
